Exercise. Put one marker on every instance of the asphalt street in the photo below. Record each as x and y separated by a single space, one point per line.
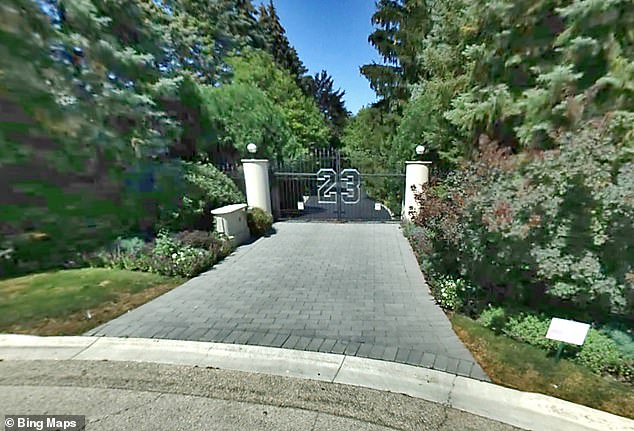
142 396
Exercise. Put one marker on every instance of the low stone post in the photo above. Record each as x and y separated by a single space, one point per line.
416 174
256 179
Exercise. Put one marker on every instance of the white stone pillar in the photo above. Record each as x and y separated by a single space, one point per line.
416 174
256 179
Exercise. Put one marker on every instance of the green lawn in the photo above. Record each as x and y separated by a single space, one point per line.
527 368
57 302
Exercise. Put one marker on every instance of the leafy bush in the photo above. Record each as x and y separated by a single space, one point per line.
170 257
450 293
186 254
259 221
531 329
125 253
185 262
421 240
624 340
187 193
132 245
493 318
542 229
599 352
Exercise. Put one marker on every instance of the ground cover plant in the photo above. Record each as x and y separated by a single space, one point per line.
185 254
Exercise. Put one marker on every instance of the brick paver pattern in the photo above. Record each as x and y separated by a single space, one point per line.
353 289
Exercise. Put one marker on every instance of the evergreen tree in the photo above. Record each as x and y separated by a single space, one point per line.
247 24
279 46
76 80
520 72
102 100
401 27
329 101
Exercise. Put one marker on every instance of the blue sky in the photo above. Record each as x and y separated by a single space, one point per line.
333 35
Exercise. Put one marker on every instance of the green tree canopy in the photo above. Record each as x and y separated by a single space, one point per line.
243 114
257 68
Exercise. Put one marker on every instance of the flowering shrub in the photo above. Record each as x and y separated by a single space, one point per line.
171 257
450 293
545 228
188 256
185 262
165 245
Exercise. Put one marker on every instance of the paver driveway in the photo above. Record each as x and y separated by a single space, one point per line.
354 289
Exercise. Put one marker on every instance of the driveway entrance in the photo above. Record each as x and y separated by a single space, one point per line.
326 185
354 289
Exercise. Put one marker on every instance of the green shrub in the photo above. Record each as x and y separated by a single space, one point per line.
601 355
184 262
493 318
165 245
187 192
420 239
544 228
124 253
188 256
623 338
599 352
170 257
132 245
259 221
531 329
450 293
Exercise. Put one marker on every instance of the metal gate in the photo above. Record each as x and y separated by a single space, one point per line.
325 186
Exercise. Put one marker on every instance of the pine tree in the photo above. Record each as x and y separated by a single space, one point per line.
279 46
246 24
330 103
401 27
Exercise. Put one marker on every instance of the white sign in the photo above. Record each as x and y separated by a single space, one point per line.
300 206
567 331
377 207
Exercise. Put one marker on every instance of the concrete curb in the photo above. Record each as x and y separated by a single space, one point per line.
521 409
